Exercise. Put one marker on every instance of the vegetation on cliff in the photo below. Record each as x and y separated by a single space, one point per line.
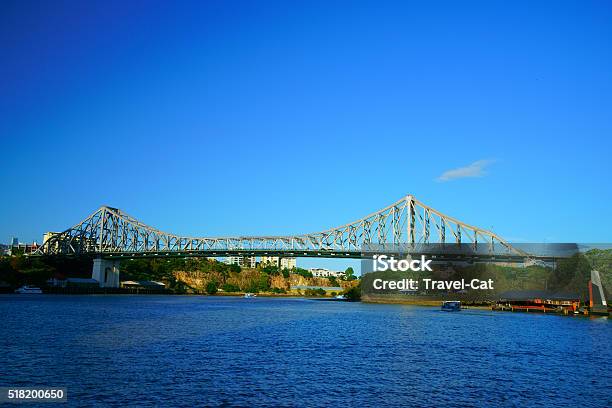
210 276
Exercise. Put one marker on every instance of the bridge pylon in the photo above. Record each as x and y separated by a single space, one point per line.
106 272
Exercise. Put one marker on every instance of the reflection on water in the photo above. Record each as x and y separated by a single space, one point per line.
215 351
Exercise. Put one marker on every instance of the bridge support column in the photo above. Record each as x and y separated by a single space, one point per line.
106 272
597 298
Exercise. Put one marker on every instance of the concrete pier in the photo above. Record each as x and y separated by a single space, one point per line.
106 272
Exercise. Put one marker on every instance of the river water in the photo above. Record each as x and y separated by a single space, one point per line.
222 351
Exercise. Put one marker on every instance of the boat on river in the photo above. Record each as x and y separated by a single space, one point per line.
451 306
29 290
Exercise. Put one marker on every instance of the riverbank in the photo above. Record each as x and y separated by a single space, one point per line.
434 304
144 291
492 306
421 302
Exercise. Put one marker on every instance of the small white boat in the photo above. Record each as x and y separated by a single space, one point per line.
451 306
249 295
29 290
341 297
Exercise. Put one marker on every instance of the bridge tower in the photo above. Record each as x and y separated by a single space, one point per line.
106 272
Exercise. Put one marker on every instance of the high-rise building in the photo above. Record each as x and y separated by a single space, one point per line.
47 236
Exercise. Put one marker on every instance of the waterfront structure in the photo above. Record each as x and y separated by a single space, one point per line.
325 273
81 283
143 285
537 300
328 289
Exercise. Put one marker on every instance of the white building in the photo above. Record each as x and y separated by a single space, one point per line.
288 263
269 260
325 273
243 261
282 263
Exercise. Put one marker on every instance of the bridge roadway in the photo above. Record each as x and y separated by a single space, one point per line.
441 256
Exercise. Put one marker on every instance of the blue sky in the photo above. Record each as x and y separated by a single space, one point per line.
230 117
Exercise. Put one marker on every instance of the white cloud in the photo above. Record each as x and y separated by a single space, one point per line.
476 169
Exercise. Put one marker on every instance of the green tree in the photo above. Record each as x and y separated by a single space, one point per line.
270 269
212 287
349 274
228 287
303 272
354 293
571 273
278 290
192 265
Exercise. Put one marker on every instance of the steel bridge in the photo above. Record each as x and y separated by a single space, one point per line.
111 233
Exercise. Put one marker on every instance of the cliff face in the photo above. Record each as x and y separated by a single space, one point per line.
197 280
247 279
295 280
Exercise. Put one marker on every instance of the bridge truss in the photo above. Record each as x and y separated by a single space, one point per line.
111 232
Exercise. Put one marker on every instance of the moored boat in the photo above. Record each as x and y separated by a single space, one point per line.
29 290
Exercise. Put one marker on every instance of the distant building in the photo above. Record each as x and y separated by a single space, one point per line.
17 247
325 273
47 236
232 260
288 263
243 261
282 263
269 260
